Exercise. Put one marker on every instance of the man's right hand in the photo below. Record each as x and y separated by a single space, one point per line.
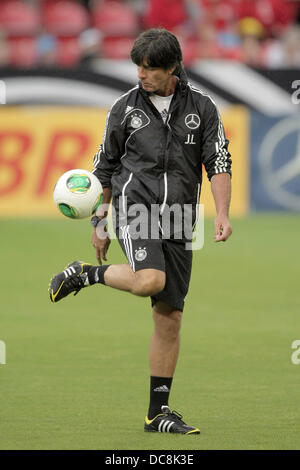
100 241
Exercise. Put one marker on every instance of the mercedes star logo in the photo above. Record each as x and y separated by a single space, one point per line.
192 121
279 179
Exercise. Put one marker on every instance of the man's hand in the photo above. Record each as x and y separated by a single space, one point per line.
101 241
221 189
223 229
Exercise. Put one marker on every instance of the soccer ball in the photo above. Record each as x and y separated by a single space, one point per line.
78 194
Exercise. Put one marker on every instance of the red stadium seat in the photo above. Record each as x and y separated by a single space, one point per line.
190 50
116 48
115 19
22 51
68 51
168 14
18 18
64 17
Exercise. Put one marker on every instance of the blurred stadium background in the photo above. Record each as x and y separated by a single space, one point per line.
62 65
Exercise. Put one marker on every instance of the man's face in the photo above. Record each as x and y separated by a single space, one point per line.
154 79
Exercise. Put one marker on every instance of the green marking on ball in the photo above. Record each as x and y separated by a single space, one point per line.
78 183
67 210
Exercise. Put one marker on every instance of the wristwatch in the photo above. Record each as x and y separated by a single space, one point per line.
95 220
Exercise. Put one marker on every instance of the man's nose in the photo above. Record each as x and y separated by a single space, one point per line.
141 73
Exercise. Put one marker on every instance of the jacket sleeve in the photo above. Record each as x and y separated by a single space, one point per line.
110 151
215 154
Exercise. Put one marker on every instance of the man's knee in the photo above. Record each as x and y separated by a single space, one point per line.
149 282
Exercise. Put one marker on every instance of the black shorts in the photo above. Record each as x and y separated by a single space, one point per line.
165 255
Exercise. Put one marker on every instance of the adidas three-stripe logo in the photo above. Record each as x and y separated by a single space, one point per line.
69 271
165 425
162 388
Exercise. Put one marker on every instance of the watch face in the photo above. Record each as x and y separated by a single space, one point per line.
94 221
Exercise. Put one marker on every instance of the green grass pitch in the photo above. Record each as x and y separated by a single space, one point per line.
76 373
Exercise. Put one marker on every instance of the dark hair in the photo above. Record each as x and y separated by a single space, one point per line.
159 48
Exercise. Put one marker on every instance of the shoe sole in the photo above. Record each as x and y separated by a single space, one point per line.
194 431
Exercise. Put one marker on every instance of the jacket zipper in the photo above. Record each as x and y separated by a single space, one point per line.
165 173
157 113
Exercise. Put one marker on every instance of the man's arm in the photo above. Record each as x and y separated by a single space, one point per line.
100 236
221 190
217 162
108 157
105 162
102 210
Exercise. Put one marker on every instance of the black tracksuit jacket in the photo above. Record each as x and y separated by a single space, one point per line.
148 161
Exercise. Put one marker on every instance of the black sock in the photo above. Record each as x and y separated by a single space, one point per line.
96 274
159 394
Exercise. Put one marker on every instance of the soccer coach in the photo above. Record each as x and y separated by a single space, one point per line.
157 137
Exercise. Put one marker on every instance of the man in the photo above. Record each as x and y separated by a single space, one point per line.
157 137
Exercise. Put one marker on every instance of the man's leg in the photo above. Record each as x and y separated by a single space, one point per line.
144 275
145 282
142 283
164 345
163 355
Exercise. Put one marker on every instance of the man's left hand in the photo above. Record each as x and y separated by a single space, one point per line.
223 229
